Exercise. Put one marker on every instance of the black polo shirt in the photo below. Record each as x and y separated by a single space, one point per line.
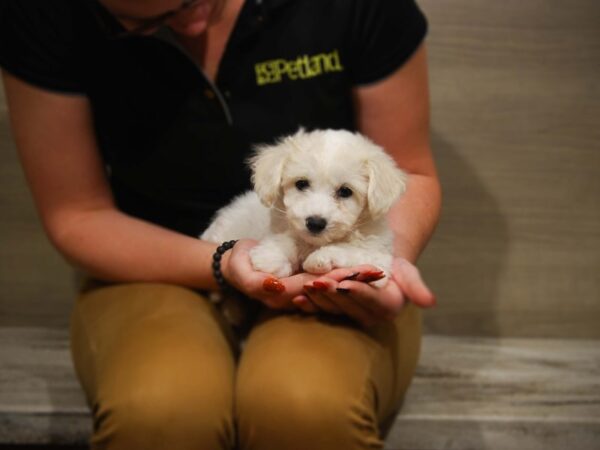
174 143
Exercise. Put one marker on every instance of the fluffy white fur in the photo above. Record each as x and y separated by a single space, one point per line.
331 179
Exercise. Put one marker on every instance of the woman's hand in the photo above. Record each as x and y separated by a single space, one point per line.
343 291
273 292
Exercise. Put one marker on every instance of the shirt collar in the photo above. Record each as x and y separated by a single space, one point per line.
271 3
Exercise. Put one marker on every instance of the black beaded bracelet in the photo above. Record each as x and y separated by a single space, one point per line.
216 264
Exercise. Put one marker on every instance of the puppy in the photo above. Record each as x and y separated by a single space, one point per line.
319 202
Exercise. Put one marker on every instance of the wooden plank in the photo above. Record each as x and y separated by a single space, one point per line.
478 393
40 399
516 101
420 434
467 393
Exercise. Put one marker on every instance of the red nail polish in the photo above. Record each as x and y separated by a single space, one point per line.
369 277
320 286
373 273
273 285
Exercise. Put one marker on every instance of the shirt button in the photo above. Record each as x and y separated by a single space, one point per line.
209 94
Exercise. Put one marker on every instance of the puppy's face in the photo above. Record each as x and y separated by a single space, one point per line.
326 182
323 195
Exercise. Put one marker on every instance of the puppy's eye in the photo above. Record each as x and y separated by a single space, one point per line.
344 192
302 185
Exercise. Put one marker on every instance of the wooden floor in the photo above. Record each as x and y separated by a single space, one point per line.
468 393
483 393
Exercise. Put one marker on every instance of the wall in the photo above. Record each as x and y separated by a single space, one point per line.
36 286
516 131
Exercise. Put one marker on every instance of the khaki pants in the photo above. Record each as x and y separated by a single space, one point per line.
161 370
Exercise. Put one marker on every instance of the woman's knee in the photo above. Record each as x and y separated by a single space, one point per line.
157 368
290 415
305 383
164 416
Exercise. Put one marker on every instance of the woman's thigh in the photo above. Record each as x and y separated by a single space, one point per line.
157 367
308 382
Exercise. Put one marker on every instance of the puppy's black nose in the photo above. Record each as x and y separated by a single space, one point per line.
315 224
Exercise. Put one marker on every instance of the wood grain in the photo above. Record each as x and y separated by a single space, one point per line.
485 393
516 103
468 393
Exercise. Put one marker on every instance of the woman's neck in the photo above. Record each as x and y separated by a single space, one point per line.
207 49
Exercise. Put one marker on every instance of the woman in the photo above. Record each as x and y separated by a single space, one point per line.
133 119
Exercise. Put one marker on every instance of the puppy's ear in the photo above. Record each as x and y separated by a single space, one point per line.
267 170
386 183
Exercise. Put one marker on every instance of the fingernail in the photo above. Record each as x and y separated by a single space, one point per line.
273 285
300 300
351 276
343 290
372 276
320 286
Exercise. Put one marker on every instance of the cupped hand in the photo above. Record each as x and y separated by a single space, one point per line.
275 293
345 291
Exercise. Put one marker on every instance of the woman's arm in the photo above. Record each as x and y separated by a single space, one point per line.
56 143
395 114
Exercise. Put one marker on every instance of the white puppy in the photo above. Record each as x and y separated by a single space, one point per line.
319 202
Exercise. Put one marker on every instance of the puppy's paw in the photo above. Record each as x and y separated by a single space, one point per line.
320 261
266 258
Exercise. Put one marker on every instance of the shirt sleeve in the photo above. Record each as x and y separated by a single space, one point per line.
385 35
38 45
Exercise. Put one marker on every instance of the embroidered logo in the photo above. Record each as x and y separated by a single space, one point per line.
303 67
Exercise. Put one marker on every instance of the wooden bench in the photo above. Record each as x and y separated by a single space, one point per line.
469 393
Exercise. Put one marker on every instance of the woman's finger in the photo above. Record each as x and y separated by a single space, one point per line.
305 304
383 303
408 277
328 291
322 301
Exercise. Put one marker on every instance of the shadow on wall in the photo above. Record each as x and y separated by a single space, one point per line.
466 258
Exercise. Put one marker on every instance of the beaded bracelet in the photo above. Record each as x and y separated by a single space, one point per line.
216 264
